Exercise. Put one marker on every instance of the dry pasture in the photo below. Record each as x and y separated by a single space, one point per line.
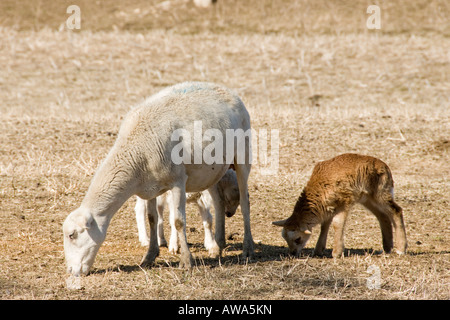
309 69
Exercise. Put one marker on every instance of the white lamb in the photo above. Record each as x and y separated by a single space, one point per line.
228 195
141 163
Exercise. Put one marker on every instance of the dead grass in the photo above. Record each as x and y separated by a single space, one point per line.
293 17
311 70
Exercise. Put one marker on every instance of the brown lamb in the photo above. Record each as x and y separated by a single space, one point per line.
334 187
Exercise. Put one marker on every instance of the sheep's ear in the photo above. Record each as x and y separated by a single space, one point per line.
84 220
280 223
306 230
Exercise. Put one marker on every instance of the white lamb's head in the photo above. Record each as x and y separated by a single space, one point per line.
230 191
82 239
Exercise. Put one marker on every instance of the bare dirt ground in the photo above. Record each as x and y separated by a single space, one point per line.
309 69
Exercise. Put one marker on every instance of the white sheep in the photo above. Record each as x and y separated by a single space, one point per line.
143 162
228 193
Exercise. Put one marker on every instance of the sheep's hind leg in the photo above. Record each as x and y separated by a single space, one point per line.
160 207
391 213
399 226
242 172
385 223
153 250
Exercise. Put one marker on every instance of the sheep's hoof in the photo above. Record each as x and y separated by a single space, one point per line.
221 243
214 250
148 260
173 250
186 262
318 253
249 250
248 255
146 263
337 254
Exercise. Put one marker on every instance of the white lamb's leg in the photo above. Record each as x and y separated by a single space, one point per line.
204 206
160 201
179 204
140 210
153 249
173 242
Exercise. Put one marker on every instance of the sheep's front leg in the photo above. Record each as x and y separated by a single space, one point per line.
140 210
153 250
179 204
173 242
339 225
322 241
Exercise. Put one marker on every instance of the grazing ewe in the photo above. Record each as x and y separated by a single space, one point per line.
335 185
228 192
141 163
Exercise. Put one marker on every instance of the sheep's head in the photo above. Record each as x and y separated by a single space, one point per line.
82 239
232 199
295 236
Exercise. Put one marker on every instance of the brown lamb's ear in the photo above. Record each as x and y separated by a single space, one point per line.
280 223
306 230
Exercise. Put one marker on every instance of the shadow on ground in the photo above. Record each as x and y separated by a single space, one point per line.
263 253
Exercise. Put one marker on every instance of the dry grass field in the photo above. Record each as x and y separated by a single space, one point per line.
310 69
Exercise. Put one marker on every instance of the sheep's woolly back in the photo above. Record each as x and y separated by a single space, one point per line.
181 104
154 121
188 92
